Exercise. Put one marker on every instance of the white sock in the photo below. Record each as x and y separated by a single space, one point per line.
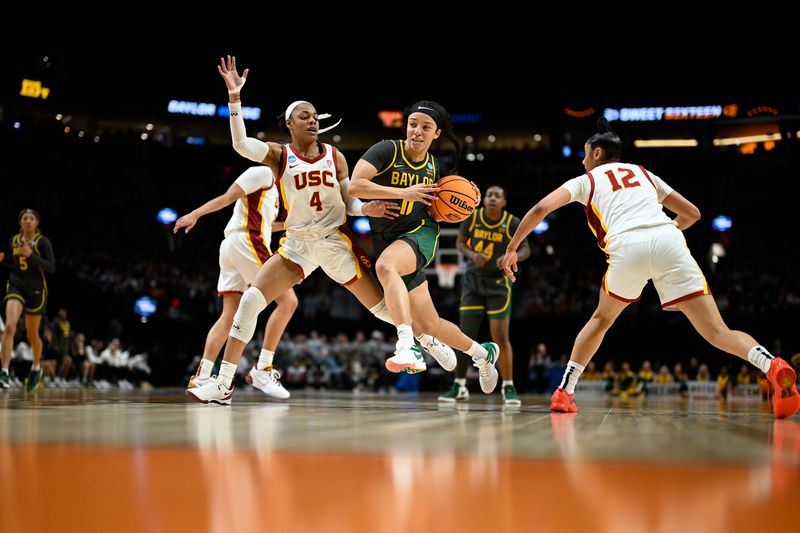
204 372
461 382
425 339
508 382
226 372
760 357
405 337
571 376
4 371
265 359
35 367
476 351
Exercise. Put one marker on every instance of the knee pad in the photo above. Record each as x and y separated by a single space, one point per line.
382 312
244 321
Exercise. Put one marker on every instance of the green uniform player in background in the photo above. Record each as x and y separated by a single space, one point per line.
485 289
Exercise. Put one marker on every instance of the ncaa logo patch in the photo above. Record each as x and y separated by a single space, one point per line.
292 159
430 165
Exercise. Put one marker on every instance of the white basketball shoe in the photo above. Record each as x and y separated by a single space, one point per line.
267 381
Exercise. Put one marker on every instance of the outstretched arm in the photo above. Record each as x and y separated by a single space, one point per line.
533 218
687 212
375 209
266 153
188 220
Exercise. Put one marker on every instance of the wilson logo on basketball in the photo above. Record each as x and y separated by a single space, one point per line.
458 202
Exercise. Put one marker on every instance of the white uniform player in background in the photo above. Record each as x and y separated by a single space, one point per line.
623 205
313 178
241 254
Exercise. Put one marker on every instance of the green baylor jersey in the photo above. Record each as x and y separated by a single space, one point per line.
395 169
489 238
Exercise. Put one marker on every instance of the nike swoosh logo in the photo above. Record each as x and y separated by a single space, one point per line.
292 166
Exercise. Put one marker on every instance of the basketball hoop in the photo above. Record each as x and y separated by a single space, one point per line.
446 273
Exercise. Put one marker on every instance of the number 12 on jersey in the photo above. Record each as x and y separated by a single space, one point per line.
627 179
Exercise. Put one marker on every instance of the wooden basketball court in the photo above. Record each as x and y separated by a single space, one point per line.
86 460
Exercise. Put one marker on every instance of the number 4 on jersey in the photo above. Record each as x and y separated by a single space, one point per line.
315 201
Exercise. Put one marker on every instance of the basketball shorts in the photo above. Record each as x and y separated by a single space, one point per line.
339 255
489 295
424 239
33 298
660 254
239 262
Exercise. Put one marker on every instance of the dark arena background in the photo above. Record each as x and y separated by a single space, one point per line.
110 143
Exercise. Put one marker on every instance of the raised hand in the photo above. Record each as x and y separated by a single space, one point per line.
186 221
227 69
420 193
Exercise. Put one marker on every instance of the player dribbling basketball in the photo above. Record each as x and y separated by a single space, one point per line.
404 170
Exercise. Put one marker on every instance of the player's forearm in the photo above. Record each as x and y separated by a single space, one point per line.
524 251
531 219
353 205
220 202
248 147
464 249
367 189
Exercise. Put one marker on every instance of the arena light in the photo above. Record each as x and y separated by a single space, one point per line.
167 216
566 151
722 223
728 141
665 143
543 226
145 306
361 225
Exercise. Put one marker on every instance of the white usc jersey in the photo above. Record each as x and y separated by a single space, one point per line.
620 197
253 215
311 194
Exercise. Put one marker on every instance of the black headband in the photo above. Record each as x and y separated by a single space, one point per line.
431 112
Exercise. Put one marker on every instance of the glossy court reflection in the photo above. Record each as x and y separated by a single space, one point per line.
328 463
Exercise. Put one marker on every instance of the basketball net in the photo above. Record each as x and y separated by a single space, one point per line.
446 273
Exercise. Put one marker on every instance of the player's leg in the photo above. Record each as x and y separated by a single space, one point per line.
499 329
32 323
703 313
275 277
397 260
484 356
263 376
472 308
238 265
216 337
586 344
497 297
13 312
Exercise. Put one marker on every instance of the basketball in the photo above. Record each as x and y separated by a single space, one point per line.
456 200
